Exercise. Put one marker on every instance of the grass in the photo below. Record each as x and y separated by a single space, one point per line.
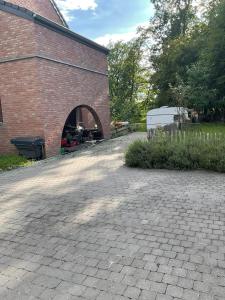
203 127
8 162
209 128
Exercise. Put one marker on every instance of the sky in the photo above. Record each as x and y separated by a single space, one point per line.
106 20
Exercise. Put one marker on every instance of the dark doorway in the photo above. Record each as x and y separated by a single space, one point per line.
82 125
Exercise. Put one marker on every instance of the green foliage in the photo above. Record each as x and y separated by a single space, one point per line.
178 60
191 59
8 162
172 19
172 63
124 73
164 153
139 127
205 82
130 92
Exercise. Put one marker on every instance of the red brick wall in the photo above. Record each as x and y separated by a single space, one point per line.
38 95
41 7
60 47
16 36
21 102
19 84
88 119
66 88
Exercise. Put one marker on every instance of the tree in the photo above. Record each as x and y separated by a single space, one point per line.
127 80
171 20
179 37
206 77
174 61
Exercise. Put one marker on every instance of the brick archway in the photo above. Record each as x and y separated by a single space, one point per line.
81 114
87 117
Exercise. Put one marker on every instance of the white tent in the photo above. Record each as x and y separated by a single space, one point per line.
160 117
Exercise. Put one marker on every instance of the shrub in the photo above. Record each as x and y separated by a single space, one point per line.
189 153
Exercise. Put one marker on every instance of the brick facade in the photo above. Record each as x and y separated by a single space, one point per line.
43 8
46 74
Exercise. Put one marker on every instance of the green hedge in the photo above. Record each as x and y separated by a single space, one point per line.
8 162
165 153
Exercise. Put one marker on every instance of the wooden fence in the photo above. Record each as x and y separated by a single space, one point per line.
182 136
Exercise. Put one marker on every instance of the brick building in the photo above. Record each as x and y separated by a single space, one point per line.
48 74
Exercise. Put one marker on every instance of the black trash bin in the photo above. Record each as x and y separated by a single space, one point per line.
30 147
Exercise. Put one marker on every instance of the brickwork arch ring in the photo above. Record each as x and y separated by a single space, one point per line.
73 116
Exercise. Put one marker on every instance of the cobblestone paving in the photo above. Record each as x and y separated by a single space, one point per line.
86 227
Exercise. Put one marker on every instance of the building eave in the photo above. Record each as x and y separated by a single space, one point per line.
67 32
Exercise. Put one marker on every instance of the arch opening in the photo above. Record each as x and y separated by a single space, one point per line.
82 126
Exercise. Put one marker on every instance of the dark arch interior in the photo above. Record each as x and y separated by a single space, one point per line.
82 125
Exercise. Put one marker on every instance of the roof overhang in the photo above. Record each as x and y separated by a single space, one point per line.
59 13
28 14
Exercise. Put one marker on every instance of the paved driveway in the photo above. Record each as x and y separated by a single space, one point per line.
86 227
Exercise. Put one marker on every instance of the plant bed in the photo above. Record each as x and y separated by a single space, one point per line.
178 152
8 162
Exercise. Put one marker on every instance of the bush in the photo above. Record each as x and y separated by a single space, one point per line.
8 162
139 127
190 153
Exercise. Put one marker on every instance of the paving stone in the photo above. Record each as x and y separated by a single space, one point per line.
179 272
143 284
151 266
47 281
54 272
104 296
165 269
91 293
132 292
78 278
189 294
130 280
117 288
174 291
155 276
71 288
148 295
164 297
201 286
170 279
90 281
86 227
194 275
185 283
49 294
158 287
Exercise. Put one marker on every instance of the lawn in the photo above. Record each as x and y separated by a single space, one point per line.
8 162
209 127
203 127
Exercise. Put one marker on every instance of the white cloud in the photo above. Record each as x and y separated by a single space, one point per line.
115 37
107 38
66 6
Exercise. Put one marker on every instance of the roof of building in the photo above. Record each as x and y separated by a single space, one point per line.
38 19
166 110
59 13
